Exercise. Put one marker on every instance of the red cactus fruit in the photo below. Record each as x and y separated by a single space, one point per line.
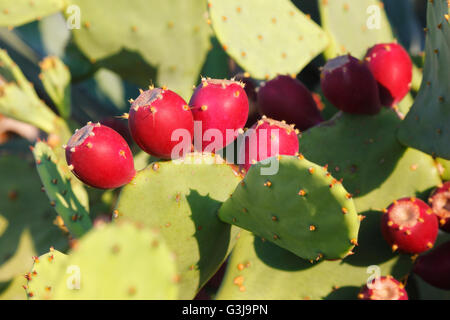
409 225
250 90
434 267
222 107
120 126
100 157
265 139
440 203
392 68
350 86
383 288
158 120
286 98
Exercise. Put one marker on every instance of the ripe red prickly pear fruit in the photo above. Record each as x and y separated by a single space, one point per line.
265 139
383 288
409 225
350 86
120 126
434 267
440 203
250 90
392 68
100 157
286 98
221 105
155 119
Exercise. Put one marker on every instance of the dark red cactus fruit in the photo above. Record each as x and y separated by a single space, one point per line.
286 98
434 267
120 126
440 203
160 120
265 139
222 107
392 69
250 90
383 288
409 225
100 157
350 86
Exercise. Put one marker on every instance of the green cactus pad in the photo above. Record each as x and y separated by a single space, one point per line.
296 209
353 26
426 125
44 275
61 192
261 270
26 219
288 41
19 100
181 198
18 12
364 152
443 168
170 35
118 261
56 79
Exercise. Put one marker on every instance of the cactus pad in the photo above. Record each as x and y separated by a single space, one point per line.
426 125
364 152
44 274
261 270
18 12
302 208
56 79
61 192
164 33
118 261
181 198
289 41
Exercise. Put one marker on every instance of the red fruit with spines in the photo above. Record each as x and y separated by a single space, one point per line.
434 267
100 157
261 142
153 118
392 68
221 105
440 203
383 288
286 98
409 225
350 86
250 90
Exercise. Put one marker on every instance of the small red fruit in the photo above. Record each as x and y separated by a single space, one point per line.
119 125
392 68
265 139
434 267
221 105
100 157
154 118
440 203
350 86
286 98
383 288
409 225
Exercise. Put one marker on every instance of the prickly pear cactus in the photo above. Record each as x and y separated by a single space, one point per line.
364 152
287 43
44 274
163 33
302 209
18 12
354 26
67 200
56 79
426 126
113 261
19 100
181 199
293 278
